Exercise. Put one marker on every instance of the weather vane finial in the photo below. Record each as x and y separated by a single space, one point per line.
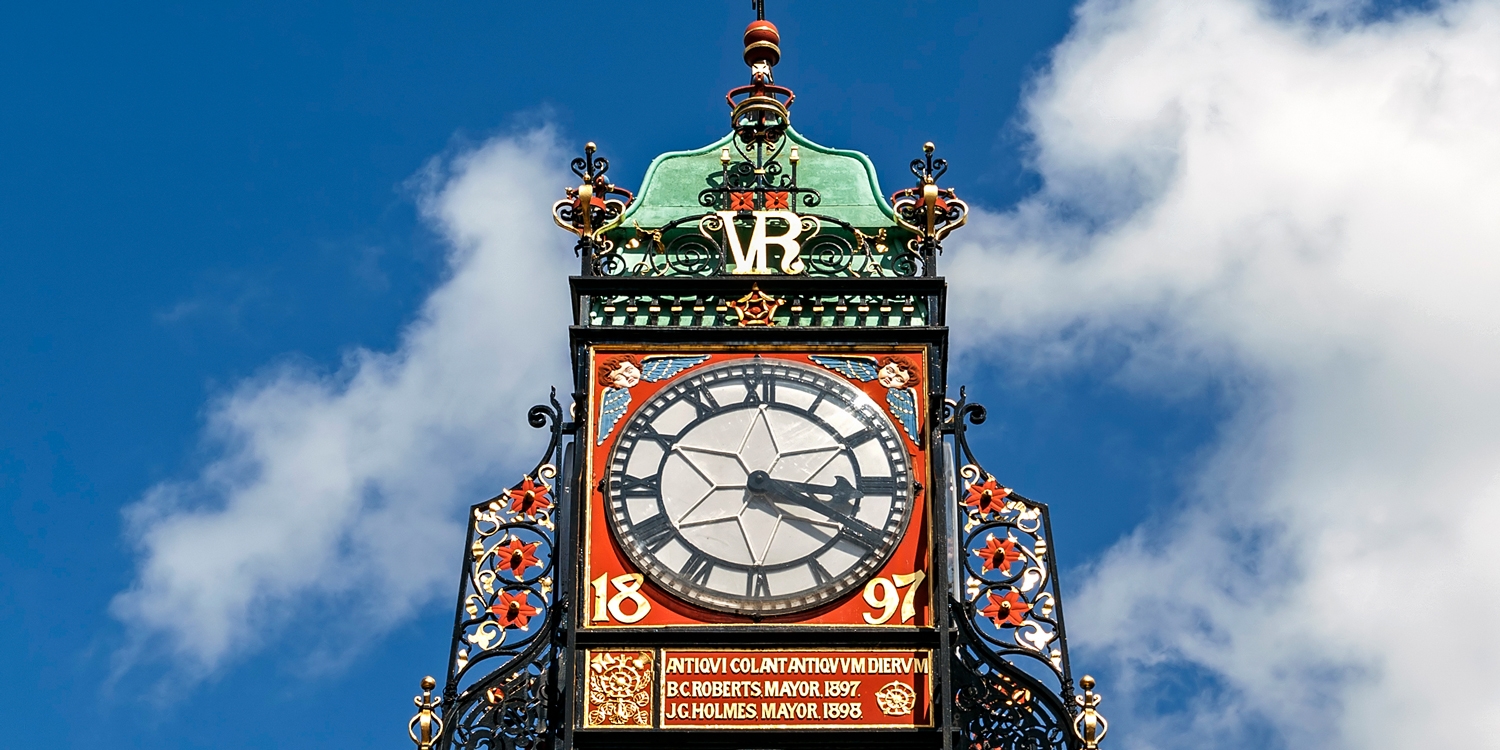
760 9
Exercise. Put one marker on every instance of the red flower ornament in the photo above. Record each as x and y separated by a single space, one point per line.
987 496
999 554
529 498
517 556
1006 611
512 610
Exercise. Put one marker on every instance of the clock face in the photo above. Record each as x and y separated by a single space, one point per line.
759 487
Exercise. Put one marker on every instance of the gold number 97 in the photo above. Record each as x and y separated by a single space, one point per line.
882 594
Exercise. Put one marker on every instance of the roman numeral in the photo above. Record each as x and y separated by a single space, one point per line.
877 485
697 568
640 487
648 432
655 532
702 400
760 388
759 584
822 394
865 536
820 574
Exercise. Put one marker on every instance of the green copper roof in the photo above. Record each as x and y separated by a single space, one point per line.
845 179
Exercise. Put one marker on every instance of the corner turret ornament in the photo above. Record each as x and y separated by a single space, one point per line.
757 520
590 209
928 210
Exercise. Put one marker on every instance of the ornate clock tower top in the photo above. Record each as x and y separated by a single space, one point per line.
762 200
759 520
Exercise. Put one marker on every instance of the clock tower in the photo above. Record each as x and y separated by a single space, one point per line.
758 522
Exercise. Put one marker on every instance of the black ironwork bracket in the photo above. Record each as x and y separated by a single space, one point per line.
1013 679
500 690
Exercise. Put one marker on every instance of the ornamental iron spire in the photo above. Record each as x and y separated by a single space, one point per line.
759 111
589 210
930 211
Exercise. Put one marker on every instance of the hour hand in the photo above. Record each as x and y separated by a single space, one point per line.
860 531
842 495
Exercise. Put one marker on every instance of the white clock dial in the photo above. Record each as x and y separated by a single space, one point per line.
760 487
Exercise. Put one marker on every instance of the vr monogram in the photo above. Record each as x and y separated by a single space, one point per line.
751 259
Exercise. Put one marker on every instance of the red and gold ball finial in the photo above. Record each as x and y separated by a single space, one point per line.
759 110
762 43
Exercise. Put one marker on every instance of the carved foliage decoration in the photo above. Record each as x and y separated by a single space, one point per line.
618 689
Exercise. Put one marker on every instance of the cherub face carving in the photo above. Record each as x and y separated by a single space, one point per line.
622 373
893 374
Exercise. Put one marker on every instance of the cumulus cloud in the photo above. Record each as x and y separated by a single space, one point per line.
346 487
1302 204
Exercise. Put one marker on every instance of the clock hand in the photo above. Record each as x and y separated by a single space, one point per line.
761 482
843 495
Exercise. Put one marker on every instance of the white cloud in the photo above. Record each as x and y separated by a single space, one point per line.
347 488
1306 210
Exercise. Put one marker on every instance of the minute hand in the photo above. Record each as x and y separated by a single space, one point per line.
866 534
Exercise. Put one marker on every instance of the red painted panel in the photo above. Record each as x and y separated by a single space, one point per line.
795 689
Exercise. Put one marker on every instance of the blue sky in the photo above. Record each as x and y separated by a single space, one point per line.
1184 300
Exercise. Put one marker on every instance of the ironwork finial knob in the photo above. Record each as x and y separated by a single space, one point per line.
425 727
1089 726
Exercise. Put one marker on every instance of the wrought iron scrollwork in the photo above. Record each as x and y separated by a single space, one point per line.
1009 577
504 636
756 181
931 212
590 210
1003 708
696 246
1010 613
684 247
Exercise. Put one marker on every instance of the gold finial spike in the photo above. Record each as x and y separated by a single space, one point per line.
425 728
724 155
928 147
795 156
1089 725
590 148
